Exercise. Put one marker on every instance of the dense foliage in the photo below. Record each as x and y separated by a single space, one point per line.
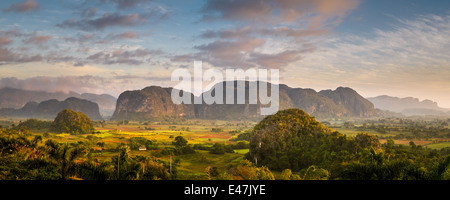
35 124
406 128
136 142
30 158
290 143
293 140
72 122
286 140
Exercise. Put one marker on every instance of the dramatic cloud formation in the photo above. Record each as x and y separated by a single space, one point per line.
319 12
414 53
21 7
266 23
375 48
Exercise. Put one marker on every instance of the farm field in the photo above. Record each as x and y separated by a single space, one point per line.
428 132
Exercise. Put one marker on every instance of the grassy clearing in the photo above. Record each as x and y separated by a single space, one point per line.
438 145
192 166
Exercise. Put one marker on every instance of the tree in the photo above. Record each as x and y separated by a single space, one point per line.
124 169
288 175
365 140
314 173
219 148
290 139
64 156
211 172
412 145
248 171
180 141
72 122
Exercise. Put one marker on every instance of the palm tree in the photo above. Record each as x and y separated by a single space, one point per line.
64 156
437 172
93 171
125 168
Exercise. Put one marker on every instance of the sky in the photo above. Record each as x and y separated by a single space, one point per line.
377 47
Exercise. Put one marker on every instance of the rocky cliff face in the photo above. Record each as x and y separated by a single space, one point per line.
313 103
154 102
49 109
149 103
351 101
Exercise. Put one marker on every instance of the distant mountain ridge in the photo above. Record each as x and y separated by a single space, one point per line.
17 98
49 109
155 101
408 106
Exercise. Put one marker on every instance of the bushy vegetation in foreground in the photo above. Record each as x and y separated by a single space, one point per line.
289 145
293 140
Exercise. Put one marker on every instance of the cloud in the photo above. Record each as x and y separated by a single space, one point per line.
125 4
278 11
113 85
56 84
283 31
408 59
22 7
409 44
4 40
89 12
186 58
319 12
241 32
229 53
38 39
290 24
124 35
278 60
105 21
131 57
7 56
81 38
250 10
12 33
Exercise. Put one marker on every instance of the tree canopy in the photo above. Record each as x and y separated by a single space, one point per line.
69 121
